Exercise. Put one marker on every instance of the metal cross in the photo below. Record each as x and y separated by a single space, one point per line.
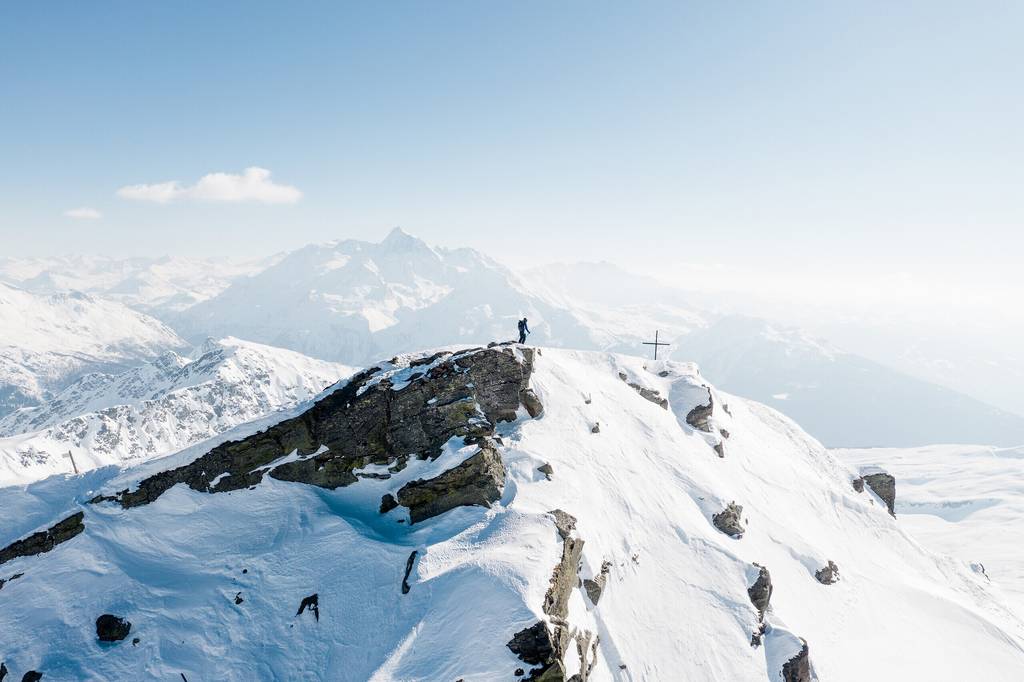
72 458
655 343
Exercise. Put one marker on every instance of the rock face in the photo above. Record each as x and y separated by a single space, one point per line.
828 575
760 592
479 480
798 668
883 485
729 520
700 416
532 403
647 393
381 416
44 540
111 628
595 586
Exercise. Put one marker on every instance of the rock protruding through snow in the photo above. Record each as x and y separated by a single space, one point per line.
884 485
730 520
44 540
479 480
111 628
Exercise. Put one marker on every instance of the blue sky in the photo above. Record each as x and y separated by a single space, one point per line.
859 134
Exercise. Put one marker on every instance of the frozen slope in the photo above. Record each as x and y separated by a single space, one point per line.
48 341
157 408
643 489
963 500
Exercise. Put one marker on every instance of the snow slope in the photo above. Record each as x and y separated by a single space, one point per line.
963 500
47 341
643 488
157 408
152 285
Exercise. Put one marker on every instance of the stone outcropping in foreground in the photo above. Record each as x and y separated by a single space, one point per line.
380 417
44 540
883 485
479 480
729 520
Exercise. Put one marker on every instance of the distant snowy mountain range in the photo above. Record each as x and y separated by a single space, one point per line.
353 302
157 408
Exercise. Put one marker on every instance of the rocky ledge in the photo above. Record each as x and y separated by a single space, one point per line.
382 416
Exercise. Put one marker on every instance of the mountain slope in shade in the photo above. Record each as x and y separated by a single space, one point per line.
271 557
352 301
48 341
157 408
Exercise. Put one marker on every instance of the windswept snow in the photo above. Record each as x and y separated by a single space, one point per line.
643 489
157 408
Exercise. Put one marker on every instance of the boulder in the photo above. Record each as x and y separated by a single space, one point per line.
760 592
858 484
700 416
546 470
828 575
479 480
532 403
32 676
729 520
44 540
596 428
720 449
595 586
387 503
111 628
883 485
312 602
798 668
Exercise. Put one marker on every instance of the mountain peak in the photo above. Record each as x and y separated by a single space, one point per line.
399 238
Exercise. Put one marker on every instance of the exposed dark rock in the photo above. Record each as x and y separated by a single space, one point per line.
564 578
828 575
724 432
44 540
111 628
596 428
700 416
798 668
760 592
651 395
408 569
729 520
546 470
564 522
595 586
533 644
720 449
532 403
365 422
135 642
479 480
858 484
4 582
238 598
883 485
519 672
757 637
3 671
387 503
32 676
312 602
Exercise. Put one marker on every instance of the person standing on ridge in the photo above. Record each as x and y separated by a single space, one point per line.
523 330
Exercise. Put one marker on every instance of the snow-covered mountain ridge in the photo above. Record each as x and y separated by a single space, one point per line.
157 408
491 514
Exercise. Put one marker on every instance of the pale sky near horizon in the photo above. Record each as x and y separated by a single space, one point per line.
872 137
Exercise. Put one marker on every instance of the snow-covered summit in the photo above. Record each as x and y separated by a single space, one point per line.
495 514
158 407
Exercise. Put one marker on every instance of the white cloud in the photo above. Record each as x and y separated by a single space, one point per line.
83 213
254 184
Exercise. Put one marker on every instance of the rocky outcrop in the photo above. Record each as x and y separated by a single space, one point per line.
760 592
44 540
479 480
730 520
595 586
7 580
312 602
3 671
380 417
700 416
111 628
883 485
858 484
534 646
798 668
408 569
720 449
32 676
547 470
387 503
564 578
828 575
532 403
647 393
